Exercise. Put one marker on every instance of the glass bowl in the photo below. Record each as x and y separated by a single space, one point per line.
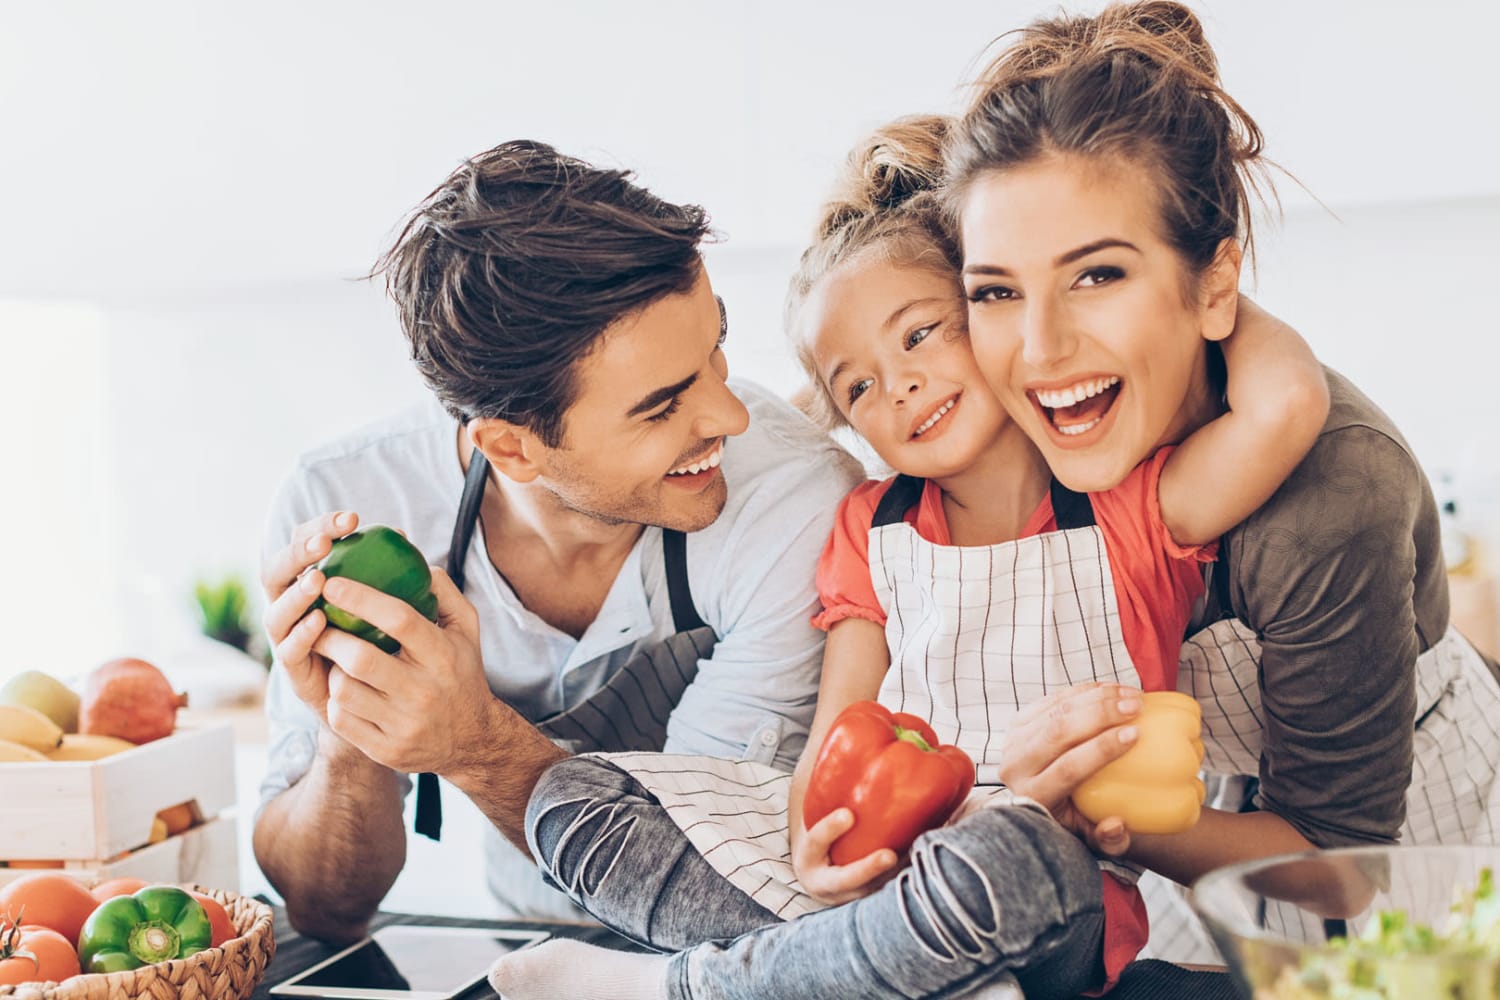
1273 919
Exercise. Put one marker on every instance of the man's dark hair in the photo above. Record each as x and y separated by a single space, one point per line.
506 275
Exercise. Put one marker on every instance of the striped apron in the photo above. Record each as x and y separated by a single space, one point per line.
1454 796
976 634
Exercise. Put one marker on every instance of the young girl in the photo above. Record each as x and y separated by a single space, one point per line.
962 590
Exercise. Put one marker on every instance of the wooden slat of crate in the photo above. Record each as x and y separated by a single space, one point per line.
97 809
207 854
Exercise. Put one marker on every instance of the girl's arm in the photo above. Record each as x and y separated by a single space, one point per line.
855 660
1229 467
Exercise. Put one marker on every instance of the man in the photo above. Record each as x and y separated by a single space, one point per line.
635 542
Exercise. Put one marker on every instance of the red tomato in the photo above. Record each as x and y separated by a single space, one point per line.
122 886
50 900
218 918
51 958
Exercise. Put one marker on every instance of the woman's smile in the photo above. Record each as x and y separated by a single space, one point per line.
1079 406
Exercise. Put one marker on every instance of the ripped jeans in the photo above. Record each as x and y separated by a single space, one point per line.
1001 890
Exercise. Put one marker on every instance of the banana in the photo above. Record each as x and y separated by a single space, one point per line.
15 753
88 746
30 728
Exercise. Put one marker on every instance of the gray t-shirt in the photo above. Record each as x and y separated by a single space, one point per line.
1340 575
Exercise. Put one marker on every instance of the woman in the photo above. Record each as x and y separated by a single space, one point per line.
1324 661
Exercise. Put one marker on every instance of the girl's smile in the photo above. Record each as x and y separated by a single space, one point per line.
934 423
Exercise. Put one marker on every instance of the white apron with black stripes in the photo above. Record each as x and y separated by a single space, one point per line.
1454 796
976 634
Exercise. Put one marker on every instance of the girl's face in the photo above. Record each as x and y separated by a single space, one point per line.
889 345
1078 316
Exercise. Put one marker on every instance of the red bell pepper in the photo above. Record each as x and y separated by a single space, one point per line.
888 768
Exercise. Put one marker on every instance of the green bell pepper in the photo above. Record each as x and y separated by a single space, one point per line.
158 923
381 558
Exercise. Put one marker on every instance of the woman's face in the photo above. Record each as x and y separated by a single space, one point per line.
1077 314
888 342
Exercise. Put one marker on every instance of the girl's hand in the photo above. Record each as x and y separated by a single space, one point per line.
830 883
1063 739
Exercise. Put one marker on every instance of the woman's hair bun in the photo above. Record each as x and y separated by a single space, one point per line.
1157 30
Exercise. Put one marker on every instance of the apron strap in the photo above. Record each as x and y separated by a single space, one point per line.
685 617
429 817
468 515
1072 510
1221 580
900 497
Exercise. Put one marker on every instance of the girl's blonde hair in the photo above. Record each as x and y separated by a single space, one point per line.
885 203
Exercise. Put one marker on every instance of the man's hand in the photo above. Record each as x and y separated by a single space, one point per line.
1063 739
291 587
421 708
831 883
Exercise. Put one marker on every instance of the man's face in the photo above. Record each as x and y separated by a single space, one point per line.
642 441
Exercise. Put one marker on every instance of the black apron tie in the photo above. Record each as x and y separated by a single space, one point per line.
429 818
1071 510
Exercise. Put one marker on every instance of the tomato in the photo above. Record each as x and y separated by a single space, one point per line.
218 918
122 886
50 900
48 955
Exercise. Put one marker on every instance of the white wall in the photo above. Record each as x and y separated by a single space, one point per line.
57 500
1401 298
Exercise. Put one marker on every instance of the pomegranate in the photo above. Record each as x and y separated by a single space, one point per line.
131 699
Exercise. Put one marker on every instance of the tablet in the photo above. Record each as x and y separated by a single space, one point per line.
409 962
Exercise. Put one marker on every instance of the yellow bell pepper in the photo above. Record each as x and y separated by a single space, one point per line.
1154 786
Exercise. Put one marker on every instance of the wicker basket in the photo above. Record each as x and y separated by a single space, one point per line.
229 972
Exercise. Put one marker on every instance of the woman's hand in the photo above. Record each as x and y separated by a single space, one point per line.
830 883
1063 739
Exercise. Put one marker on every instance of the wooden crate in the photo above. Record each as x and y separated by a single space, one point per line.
94 811
207 854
